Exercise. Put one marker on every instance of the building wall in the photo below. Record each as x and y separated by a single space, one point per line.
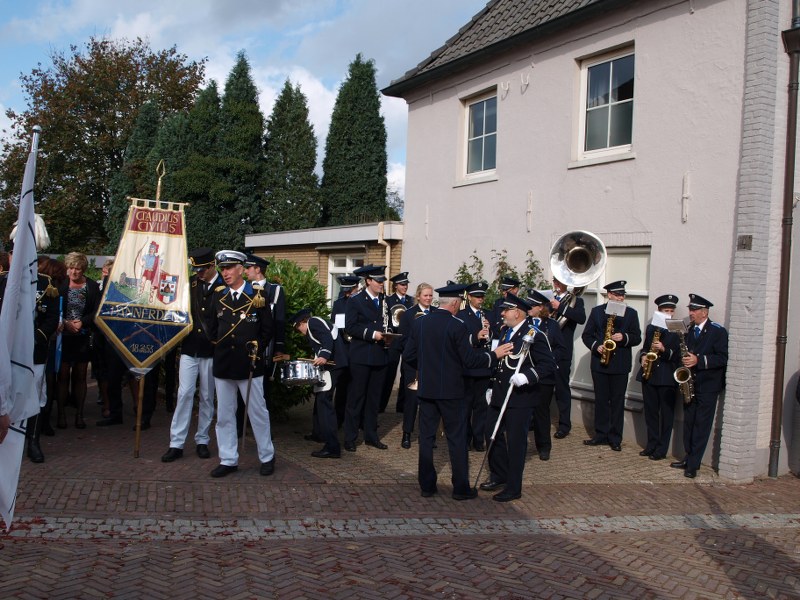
692 138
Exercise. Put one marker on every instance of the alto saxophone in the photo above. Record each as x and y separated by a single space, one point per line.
609 345
683 375
651 356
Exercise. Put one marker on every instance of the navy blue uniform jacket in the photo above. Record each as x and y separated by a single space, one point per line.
712 357
362 319
538 366
664 367
439 349
320 336
594 333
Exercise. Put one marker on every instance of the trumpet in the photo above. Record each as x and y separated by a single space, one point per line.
609 345
651 357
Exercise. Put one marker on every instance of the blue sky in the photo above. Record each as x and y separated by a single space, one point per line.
310 42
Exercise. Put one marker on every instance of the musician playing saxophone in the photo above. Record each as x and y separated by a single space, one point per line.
707 343
660 357
611 380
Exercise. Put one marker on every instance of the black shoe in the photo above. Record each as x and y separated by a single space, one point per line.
267 468
376 444
490 486
222 470
109 421
472 493
646 452
428 494
658 456
690 473
560 435
406 443
506 496
310 437
202 451
544 455
478 447
594 442
681 464
35 451
325 454
615 447
350 446
172 454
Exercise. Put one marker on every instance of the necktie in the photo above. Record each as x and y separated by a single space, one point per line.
696 331
537 322
377 302
508 335
478 314
425 311
235 296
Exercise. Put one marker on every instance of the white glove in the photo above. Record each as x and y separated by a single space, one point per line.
518 380
489 396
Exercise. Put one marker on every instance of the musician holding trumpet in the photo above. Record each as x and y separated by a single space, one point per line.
611 331
660 357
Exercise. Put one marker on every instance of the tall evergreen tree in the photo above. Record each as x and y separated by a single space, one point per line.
133 179
292 187
241 156
354 168
171 145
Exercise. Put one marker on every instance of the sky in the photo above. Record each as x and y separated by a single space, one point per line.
310 42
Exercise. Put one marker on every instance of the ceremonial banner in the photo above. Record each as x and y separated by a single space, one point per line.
145 308
18 397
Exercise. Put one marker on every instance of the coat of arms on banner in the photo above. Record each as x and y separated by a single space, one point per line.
145 307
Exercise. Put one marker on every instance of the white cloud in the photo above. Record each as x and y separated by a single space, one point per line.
396 178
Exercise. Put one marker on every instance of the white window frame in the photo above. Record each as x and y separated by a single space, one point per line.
468 103
352 262
621 151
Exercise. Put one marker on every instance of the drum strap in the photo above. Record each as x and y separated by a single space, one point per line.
334 331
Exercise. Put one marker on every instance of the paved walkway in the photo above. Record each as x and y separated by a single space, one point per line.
94 522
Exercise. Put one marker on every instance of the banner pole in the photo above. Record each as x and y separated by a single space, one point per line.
140 403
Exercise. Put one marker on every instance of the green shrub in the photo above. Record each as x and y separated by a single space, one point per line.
531 276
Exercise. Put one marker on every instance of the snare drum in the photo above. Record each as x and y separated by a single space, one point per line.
298 372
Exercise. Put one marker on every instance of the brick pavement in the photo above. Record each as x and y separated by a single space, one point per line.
92 521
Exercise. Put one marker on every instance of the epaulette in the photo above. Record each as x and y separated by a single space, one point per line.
533 331
194 282
257 286
219 288
50 291
258 299
715 324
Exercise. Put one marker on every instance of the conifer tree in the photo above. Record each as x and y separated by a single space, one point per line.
292 187
354 168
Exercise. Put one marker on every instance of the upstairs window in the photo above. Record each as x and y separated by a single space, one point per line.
482 135
607 93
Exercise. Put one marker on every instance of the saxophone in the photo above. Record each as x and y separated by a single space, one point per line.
651 356
683 375
608 344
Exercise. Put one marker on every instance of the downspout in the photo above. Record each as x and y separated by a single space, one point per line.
383 242
791 42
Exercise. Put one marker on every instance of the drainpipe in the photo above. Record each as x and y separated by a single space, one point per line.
383 242
791 42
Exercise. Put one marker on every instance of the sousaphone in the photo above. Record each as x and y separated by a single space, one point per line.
576 260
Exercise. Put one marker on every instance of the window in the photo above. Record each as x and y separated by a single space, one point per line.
341 264
482 135
607 111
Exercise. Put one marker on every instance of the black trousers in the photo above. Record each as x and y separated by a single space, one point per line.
609 406
507 456
540 421
698 419
564 396
324 424
453 414
366 384
659 413
476 409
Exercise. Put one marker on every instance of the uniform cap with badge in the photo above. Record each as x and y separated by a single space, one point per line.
512 301
372 272
201 258
666 301
229 258
616 287
253 260
477 288
509 283
696 301
536 298
400 278
347 282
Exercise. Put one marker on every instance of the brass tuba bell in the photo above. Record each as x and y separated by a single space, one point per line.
576 259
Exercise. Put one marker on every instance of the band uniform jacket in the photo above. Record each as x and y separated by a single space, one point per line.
46 318
275 298
474 325
201 297
406 323
362 319
711 350
539 365
439 349
233 324
395 299
574 316
323 344
555 339
594 334
663 369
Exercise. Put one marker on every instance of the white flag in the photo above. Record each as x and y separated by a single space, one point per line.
18 397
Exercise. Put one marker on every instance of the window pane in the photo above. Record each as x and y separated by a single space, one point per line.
621 124
475 156
490 152
339 263
597 89
622 79
358 262
476 119
491 115
597 128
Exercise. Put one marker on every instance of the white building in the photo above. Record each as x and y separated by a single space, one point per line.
660 126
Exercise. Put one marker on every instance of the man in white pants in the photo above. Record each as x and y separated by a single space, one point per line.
197 353
241 325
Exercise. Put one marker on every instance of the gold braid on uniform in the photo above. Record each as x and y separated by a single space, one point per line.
219 288
50 291
258 300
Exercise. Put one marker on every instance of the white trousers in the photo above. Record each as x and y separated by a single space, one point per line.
257 414
189 370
